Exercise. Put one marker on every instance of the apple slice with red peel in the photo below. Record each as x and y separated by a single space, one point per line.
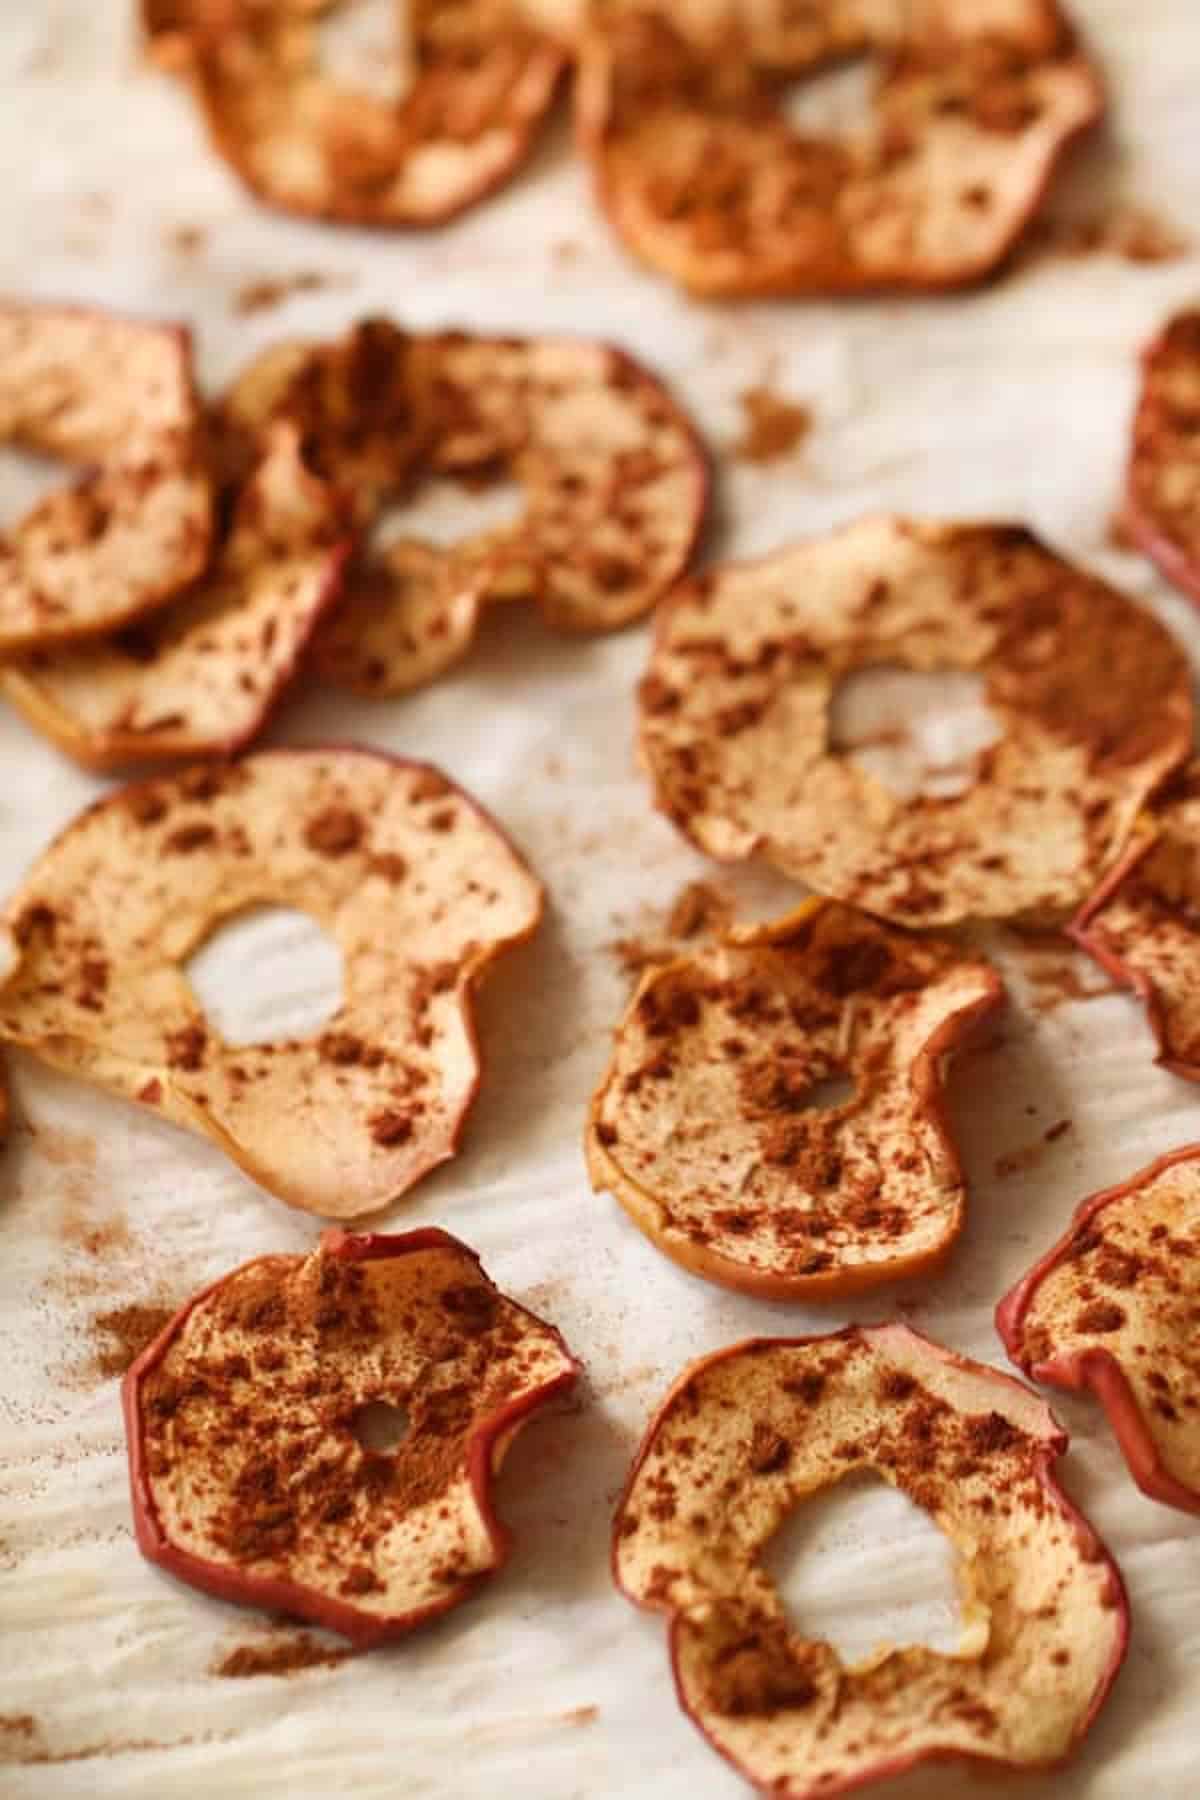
480 81
419 889
735 733
1113 1307
704 177
705 1127
751 1431
117 397
1141 923
1162 490
203 675
244 1418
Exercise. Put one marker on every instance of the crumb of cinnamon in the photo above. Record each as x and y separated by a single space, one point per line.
772 427
1134 233
123 1333
279 1656
260 296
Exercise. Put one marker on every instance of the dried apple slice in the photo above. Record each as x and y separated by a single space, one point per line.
203 675
705 1129
735 717
747 1433
117 396
1162 492
248 1471
413 881
1113 1307
473 83
1143 922
681 112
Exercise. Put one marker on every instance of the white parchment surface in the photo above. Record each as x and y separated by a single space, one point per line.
1013 403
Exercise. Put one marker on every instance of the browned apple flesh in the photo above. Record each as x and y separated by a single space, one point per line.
747 1434
116 397
682 112
1113 1307
710 1128
735 706
415 884
1163 483
252 1473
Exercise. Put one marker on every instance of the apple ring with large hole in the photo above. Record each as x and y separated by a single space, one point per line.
1113 1307
748 659
203 675
751 1431
682 112
1143 922
425 123
708 1126
117 397
416 885
1162 509
294 1509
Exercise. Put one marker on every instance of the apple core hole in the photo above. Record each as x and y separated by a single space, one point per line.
920 733
834 101
381 1426
447 510
27 477
366 46
860 1567
269 973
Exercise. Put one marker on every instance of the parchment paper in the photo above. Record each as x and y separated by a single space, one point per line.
1013 402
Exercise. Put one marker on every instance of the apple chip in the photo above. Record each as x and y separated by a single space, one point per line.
682 110
735 717
748 1433
1143 922
295 1510
116 396
721 1128
416 885
419 130
1113 1307
202 676
1162 509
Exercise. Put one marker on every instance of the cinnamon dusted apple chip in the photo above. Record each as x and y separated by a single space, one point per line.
203 675
748 1433
427 127
416 885
716 1128
735 717
682 111
1143 922
295 1510
1162 509
115 395
1113 1307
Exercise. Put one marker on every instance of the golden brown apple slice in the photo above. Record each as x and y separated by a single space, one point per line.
245 1418
747 1434
709 1126
416 885
1162 490
1113 1307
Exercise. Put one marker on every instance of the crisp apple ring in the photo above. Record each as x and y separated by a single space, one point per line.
289 1509
1113 1307
704 178
703 1128
483 79
417 886
203 675
117 396
746 1434
1163 484
734 717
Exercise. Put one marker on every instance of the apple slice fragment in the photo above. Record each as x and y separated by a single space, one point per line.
244 1419
472 85
115 396
1162 490
203 674
735 733
704 1125
414 882
681 111
1113 1307
751 1431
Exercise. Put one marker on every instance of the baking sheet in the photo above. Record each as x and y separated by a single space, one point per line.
1011 402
